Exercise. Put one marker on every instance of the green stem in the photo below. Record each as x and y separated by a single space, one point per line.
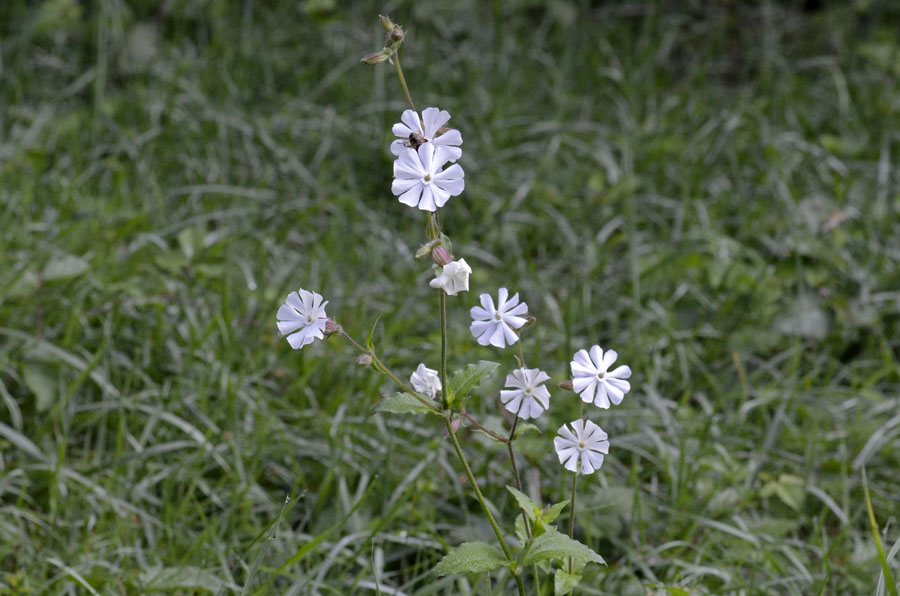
515 469
574 483
403 80
444 387
489 432
481 500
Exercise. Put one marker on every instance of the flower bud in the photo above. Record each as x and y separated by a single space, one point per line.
331 327
364 360
386 23
396 34
454 424
567 385
529 321
376 58
426 248
440 256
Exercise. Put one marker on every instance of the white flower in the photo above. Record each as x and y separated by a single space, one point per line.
495 325
302 318
426 128
426 380
593 380
419 180
454 277
530 397
588 443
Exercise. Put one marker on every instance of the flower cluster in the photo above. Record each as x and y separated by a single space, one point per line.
426 176
582 447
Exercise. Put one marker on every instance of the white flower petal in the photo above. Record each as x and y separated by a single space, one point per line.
412 122
608 359
620 372
597 357
433 120
411 197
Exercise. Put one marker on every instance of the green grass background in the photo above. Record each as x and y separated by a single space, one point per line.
711 189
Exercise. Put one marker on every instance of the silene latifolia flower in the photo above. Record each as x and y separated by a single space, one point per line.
413 131
454 277
420 181
585 442
595 382
302 318
528 397
496 326
426 381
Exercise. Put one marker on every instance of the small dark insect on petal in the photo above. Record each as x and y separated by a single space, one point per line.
415 140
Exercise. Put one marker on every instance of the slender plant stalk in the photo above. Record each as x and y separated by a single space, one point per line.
574 484
445 389
487 431
481 500
403 80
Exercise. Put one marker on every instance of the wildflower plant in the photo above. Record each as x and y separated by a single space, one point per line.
426 177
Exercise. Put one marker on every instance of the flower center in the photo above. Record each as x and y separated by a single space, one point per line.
309 318
528 390
581 445
496 316
600 375
427 177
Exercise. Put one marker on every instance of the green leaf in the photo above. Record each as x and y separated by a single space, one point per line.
371 334
676 591
400 403
471 557
525 502
464 380
564 582
554 545
554 511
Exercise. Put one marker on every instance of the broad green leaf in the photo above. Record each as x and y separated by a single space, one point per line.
554 545
464 380
371 334
564 582
554 511
400 403
471 557
524 502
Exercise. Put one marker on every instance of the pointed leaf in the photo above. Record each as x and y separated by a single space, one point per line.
471 557
555 510
464 380
371 334
525 502
525 428
554 545
400 403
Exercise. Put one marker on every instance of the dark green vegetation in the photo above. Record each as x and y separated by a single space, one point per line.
712 192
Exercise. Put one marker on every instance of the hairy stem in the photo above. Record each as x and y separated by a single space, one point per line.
444 387
403 80
481 500
572 504
487 431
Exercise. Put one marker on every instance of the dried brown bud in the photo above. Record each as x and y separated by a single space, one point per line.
567 385
396 33
376 58
440 256
331 327
364 360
